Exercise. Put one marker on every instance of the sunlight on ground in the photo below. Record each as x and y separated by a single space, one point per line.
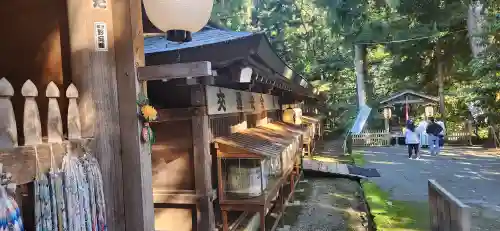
392 215
325 159
358 159
384 162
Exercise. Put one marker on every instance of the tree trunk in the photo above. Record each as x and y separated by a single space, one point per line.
440 82
475 23
359 67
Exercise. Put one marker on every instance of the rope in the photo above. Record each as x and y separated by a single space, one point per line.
43 214
96 190
77 194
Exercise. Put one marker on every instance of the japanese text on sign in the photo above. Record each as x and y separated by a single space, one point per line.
101 36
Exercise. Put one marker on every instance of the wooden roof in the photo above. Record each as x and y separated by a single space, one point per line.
252 144
279 126
252 49
268 140
411 97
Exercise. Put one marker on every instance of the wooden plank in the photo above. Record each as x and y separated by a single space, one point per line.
447 212
178 196
176 114
91 39
21 161
202 162
175 71
137 183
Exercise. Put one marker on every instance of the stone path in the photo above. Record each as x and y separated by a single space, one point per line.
467 172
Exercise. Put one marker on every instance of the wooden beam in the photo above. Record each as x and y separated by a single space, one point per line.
137 174
176 114
92 59
179 196
21 162
202 161
175 71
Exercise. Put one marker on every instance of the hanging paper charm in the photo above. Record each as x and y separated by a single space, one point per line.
147 114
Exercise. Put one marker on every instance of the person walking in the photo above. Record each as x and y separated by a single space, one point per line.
434 130
441 134
412 139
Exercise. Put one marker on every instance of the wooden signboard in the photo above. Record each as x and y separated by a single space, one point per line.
225 101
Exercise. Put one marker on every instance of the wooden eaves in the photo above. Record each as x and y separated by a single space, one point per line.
224 49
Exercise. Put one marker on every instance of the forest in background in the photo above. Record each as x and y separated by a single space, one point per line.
406 44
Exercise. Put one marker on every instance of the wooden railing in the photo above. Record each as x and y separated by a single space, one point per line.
371 138
21 159
447 213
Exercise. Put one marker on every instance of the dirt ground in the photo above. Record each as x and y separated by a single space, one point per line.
327 203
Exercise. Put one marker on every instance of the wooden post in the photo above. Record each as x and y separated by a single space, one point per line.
202 162
105 38
469 131
137 174
93 73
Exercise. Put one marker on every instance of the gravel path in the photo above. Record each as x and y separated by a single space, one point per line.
468 173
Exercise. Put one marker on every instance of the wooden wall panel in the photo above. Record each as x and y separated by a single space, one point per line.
172 161
178 219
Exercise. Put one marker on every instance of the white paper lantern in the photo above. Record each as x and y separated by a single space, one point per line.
178 18
387 113
429 111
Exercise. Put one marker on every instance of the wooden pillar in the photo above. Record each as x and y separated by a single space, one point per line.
469 131
93 73
106 43
137 174
202 162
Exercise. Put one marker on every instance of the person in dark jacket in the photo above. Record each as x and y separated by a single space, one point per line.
433 130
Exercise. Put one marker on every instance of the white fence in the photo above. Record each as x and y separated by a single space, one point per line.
371 138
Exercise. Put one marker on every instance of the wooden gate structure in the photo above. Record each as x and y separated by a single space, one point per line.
193 112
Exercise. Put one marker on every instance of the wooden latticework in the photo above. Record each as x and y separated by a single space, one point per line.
372 138
226 124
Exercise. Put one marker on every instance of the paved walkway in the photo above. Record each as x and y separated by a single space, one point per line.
467 172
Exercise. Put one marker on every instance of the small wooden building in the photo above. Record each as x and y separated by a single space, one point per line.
246 89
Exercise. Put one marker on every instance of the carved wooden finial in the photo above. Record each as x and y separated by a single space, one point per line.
54 121
72 92
74 125
52 91
31 118
29 89
6 88
8 127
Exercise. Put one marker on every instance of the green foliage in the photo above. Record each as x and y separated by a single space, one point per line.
392 215
317 37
